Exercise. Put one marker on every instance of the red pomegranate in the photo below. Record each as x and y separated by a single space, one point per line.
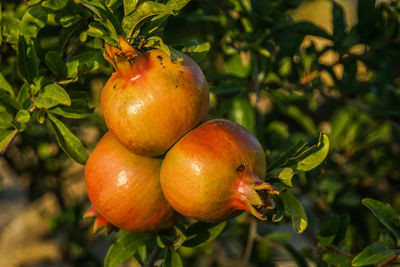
124 188
150 102
214 172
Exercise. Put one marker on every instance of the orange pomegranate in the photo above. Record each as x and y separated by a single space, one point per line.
124 188
150 102
215 171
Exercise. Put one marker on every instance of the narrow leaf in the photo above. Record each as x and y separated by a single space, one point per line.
296 211
71 145
385 214
177 4
52 95
27 60
310 161
125 247
5 85
5 120
372 254
5 136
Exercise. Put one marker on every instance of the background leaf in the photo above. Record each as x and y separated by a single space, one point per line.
296 211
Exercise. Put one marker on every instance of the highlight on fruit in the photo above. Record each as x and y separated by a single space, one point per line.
215 172
150 101
124 189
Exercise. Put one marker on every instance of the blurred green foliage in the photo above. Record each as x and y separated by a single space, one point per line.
283 78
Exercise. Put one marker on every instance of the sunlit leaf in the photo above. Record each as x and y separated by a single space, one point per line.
144 10
71 145
51 95
34 19
5 136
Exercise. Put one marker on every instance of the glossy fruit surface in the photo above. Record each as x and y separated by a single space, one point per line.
150 102
214 171
125 188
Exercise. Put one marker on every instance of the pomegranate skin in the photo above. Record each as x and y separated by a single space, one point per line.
124 188
212 173
150 102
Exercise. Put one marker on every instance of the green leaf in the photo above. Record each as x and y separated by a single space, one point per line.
125 247
97 30
11 28
78 109
279 237
313 156
328 231
336 259
172 259
243 113
34 19
295 210
339 22
6 120
23 116
1 23
143 11
177 4
5 136
129 6
51 95
302 119
88 60
105 16
56 64
157 42
196 50
285 175
372 254
5 85
201 233
385 214
55 4
67 140
27 60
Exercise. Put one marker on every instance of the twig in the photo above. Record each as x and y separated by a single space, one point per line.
387 261
250 242
153 257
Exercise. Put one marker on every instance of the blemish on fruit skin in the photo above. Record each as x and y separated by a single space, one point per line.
115 87
241 168
160 58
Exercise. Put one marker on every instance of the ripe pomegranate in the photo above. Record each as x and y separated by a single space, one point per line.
124 188
213 173
150 102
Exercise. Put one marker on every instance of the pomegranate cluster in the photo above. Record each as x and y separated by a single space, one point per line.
160 160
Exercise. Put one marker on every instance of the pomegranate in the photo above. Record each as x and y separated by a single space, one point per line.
124 188
150 102
214 172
